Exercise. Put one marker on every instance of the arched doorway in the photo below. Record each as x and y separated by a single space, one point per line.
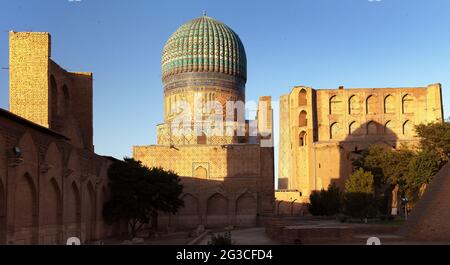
25 211
51 219
188 216
74 211
217 211
302 101
246 210
89 219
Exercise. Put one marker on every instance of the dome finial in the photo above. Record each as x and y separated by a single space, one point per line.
204 13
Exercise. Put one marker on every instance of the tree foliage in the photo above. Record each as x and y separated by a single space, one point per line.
421 170
435 137
410 169
325 202
360 205
360 181
138 193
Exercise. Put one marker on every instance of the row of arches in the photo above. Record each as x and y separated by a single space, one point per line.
371 105
50 212
48 198
217 210
370 128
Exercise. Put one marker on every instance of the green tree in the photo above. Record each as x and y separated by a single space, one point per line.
360 205
435 137
359 200
137 192
424 165
325 202
360 181
387 165
166 193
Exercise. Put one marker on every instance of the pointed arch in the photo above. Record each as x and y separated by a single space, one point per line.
371 105
302 139
407 104
89 212
334 130
389 127
62 101
302 100
26 208
189 214
246 210
335 105
408 128
302 119
29 150
389 104
51 204
73 212
354 107
54 95
352 128
217 211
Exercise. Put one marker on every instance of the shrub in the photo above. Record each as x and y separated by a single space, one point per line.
221 239
325 202
360 205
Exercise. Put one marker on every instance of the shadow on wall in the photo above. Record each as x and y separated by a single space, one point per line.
290 203
2 214
52 196
236 200
360 137
214 204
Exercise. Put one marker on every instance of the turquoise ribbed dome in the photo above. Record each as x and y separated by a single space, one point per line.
204 45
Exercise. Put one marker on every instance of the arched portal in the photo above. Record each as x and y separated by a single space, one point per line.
51 219
25 210
389 104
188 216
217 211
302 120
302 101
73 221
246 210
89 213
334 130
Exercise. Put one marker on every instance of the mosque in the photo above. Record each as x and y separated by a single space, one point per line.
226 162
53 184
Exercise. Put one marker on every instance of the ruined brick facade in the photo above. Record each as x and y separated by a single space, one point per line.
321 131
52 184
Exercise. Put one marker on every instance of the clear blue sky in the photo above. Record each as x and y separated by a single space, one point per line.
319 43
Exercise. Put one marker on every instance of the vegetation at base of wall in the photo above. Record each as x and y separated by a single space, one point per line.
325 202
410 170
220 239
381 168
138 193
